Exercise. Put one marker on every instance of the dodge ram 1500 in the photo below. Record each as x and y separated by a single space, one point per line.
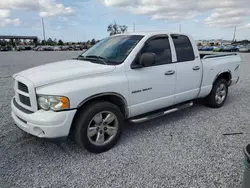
135 77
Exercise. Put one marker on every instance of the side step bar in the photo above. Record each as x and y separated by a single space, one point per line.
159 114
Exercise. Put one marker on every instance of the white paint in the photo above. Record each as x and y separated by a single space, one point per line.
79 80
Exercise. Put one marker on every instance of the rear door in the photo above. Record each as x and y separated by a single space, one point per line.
188 69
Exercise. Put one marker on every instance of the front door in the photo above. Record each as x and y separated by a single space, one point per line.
153 87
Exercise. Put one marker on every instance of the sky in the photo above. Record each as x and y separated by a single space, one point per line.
81 20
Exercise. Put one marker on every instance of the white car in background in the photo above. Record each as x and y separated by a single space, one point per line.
57 48
244 49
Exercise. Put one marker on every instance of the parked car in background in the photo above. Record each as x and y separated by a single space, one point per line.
77 48
71 48
231 48
218 48
204 48
207 48
20 48
27 48
57 48
48 48
135 77
83 47
36 48
65 48
200 48
4 48
244 49
210 48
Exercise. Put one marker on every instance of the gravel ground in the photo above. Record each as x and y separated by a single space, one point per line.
184 149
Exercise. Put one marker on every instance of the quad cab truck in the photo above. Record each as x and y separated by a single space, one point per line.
135 77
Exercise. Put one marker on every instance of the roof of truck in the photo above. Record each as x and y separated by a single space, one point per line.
153 33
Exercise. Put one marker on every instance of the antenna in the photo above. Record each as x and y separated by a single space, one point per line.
180 28
134 26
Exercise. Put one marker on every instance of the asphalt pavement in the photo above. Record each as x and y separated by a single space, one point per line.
186 149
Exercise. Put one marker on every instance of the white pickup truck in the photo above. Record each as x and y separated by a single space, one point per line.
133 77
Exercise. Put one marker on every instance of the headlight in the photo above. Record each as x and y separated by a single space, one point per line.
55 103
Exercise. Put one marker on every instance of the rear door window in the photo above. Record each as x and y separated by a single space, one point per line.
183 48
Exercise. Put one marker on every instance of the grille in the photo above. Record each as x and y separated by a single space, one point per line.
21 108
25 100
23 87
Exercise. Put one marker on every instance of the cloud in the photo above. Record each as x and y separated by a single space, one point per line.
246 26
7 21
4 13
45 8
52 9
224 13
227 17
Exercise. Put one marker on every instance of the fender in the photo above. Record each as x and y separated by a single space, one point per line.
226 71
106 94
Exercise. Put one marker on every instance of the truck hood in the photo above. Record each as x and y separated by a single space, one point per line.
63 70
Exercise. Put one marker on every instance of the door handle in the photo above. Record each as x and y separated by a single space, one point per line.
196 68
171 72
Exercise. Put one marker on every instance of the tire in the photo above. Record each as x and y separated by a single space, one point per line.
90 124
215 101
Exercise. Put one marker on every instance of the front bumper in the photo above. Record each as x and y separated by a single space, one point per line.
43 124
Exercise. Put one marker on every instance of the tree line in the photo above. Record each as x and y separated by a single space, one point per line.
60 42
113 29
49 42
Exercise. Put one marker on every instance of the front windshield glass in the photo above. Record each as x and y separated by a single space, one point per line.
113 49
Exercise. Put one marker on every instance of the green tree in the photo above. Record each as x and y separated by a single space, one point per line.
3 42
30 42
114 29
24 42
60 43
50 41
55 42
93 42
18 41
123 28
43 42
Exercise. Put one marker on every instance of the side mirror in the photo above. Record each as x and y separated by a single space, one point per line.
147 59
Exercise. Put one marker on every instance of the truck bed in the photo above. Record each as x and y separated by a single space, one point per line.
215 55
216 63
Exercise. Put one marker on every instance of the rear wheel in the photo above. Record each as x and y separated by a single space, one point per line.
98 126
218 95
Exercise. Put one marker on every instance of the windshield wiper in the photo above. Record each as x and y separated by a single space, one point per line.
103 59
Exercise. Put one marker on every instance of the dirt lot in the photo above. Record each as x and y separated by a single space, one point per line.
185 149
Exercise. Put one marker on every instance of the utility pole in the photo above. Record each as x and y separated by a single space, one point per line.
234 33
134 26
180 28
44 38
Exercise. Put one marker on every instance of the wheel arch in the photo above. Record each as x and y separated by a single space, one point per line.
224 74
112 97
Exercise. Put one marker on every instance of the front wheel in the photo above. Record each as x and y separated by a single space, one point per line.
218 95
98 126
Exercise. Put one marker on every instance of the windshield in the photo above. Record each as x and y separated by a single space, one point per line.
114 50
